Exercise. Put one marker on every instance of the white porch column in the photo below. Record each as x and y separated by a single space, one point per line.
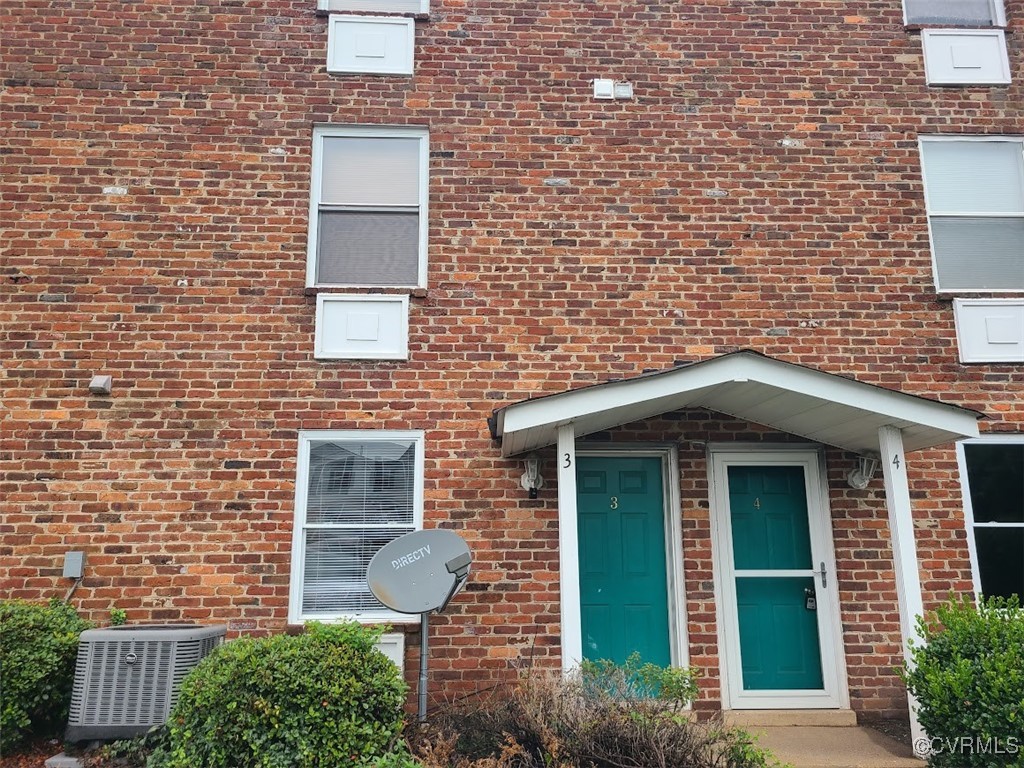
568 550
904 551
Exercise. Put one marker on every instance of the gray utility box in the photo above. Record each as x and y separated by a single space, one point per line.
127 678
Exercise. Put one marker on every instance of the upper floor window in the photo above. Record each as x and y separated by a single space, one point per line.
974 190
368 207
374 6
992 475
356 491
956 13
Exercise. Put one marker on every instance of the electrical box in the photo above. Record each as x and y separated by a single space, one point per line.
74 565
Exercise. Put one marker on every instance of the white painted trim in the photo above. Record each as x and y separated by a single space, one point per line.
305 440
684 387
968 506
835 692
322 131
679 640
904 550
921 140
568 550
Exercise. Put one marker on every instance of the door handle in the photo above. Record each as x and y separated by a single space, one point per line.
823 573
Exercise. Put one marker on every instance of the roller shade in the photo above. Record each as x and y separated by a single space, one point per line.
974 176
370 171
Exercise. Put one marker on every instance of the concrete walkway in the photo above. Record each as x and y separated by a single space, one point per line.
834 747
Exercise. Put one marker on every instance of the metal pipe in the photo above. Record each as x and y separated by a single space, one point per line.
424 656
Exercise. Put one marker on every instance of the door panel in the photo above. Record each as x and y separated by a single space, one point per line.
779 644
623 581
780 647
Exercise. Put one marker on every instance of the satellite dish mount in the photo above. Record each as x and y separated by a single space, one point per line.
420 572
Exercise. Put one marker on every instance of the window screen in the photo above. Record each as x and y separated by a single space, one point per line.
959 13
360 495
369 207
995 483
975 196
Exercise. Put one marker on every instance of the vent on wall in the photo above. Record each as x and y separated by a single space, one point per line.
127 678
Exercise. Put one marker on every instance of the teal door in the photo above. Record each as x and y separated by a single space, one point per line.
623 581
780 647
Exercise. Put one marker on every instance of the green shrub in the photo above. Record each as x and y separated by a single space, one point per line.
968 677
327 697
38 647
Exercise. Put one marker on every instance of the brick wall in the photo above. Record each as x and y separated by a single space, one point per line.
762 190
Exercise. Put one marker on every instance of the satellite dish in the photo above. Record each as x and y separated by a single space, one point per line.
420 571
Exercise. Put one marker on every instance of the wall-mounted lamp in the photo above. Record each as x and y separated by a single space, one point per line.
531 479
861 475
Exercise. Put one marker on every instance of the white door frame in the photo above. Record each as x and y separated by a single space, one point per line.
835 693
569 546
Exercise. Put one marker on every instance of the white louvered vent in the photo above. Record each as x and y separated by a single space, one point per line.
127 678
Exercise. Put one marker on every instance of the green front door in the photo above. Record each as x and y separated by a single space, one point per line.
623 581
775 585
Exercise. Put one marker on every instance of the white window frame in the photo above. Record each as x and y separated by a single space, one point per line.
321 132
998 16
968 507
370 6
921 140
306 440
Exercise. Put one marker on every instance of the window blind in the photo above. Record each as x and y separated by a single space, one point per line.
360 496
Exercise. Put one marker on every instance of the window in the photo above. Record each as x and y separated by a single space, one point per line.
974 190
992 475
355 492
368 207
374 6
957 13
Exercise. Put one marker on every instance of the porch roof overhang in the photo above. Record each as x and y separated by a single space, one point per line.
795 399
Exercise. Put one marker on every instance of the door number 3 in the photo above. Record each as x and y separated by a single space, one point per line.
568 461
615 502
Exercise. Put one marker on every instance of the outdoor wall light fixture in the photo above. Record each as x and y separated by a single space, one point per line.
861 475
531 479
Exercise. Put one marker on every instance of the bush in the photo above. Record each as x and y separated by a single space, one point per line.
604 715
327 697
968 677
39 644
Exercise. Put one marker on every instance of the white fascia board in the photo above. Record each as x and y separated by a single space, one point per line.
825 387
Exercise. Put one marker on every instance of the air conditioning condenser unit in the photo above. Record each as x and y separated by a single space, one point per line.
127 678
